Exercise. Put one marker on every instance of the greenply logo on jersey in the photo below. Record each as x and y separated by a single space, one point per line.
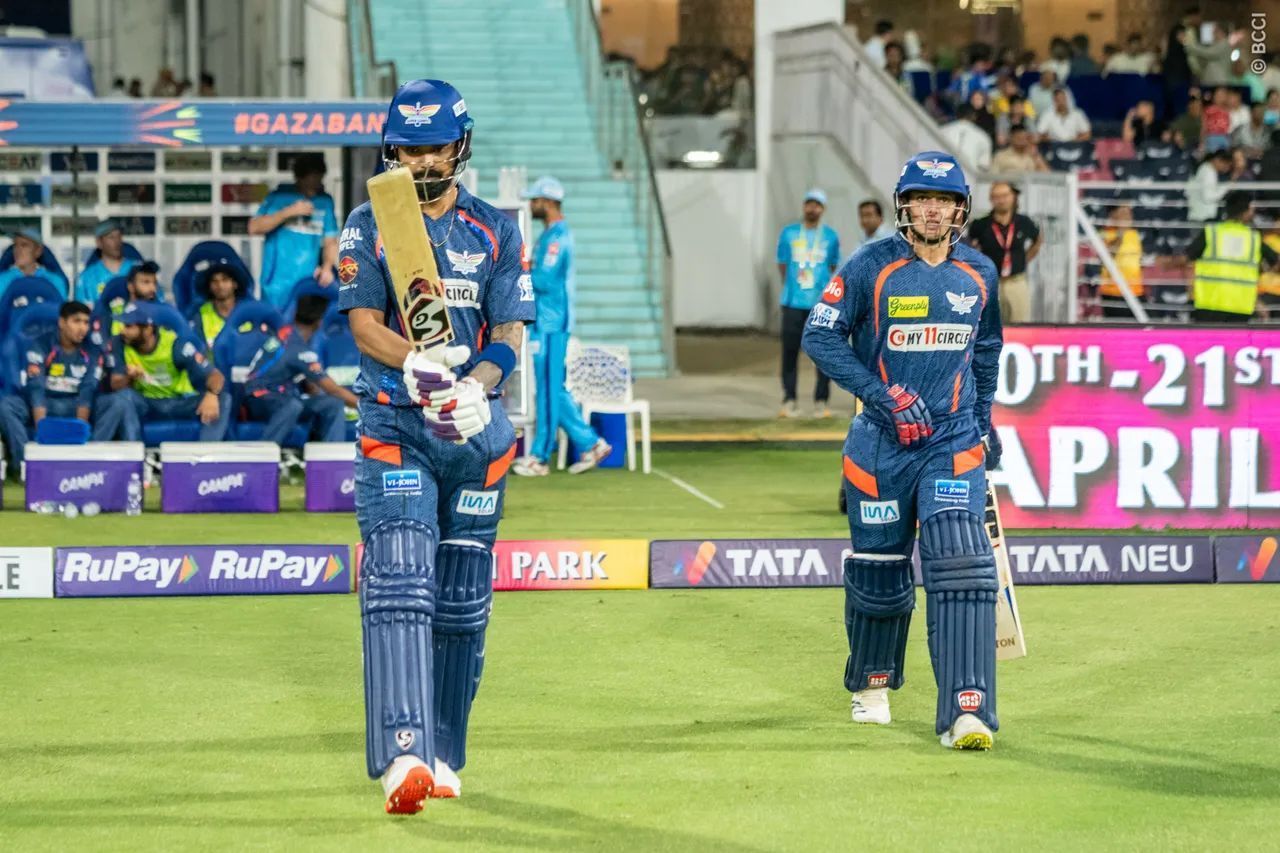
908 306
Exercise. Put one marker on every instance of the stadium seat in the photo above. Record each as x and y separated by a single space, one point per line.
115 291
129 250
199 258
1157 150
338 351
304 287
1068 156
37 321
47 259
600 378
233 352
1176 168
1111 148
23 293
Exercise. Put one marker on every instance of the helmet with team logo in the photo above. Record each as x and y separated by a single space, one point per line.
935 171
428 112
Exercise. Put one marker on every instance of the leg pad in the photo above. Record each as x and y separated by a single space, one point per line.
462 613
879 597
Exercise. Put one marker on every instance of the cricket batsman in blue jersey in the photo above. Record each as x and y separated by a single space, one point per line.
924 317
551 270
434 448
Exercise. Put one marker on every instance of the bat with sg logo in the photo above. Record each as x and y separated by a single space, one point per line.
415 280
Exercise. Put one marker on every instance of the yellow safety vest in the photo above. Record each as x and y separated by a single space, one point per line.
211 323
1227 272
161 377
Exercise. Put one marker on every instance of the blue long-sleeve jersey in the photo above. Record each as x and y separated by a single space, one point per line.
934 329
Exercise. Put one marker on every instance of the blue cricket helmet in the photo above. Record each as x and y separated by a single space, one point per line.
428 112
936 171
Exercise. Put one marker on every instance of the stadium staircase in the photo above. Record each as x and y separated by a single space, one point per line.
542 98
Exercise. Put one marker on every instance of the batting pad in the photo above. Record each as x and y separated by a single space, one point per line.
462 612
879 596
961 585
397 601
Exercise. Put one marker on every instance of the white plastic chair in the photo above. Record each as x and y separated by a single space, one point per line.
599 378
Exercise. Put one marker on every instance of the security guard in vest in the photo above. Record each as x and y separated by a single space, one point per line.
1229 257
155 373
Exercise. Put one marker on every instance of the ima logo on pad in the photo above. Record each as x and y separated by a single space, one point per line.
969 700
418 115
878 679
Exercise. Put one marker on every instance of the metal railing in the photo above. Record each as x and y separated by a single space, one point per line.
369 77
614 104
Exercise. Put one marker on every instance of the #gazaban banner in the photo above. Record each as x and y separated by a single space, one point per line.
1155 427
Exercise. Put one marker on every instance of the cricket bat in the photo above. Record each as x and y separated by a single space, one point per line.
1010 643
419 293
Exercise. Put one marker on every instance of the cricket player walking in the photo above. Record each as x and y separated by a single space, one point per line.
924 315
434 449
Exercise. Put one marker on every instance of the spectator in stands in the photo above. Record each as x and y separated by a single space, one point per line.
222 286
166 85
1188 127
1021 156
982 115
1271 112
1216 124
874 46
1269 170
1059 61
1006 64
1002 97
1133 60
28 246
63 373
871 221
135 88
1240 167
1229 257
895 58
1237 110
1141 125
1205 191
1109 51
916 59
207 87
110 262
1212 59
966 140
118 89
1082 63
1125 245
272 393
808 255
1063 123
155 373
976 78
302 231
1042 92
1011 241
1018 115
1177 66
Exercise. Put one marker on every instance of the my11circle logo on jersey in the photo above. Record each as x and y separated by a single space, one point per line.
929 337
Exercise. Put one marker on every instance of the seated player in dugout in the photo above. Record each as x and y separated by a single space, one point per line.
287 383
28 254
158 373
922 311
221 285
109 262
142 283
62 376
301 229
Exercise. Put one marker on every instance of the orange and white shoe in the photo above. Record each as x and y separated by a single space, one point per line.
593 457
448 785
406 783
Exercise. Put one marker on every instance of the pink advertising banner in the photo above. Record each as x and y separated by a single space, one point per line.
1108 427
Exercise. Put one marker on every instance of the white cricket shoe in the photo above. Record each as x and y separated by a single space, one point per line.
529 466
968 732
448 785
406 783
789 409
871 706
593 457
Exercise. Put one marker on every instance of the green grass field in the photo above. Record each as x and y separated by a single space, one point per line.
647 720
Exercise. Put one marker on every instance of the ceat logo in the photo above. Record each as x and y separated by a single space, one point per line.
969 700
347 269
418 115
878 679
834 291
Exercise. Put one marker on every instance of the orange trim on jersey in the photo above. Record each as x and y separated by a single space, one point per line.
884 374
966 460
498 467
880 280
384 398
382 451
862 481
955 392
493 240
977 279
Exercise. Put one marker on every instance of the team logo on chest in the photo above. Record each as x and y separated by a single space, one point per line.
960 303
465 263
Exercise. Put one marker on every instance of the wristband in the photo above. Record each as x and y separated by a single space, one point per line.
501 356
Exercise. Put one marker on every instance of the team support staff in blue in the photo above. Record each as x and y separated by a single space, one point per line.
552 271
301 227
109 263
808 253
28 247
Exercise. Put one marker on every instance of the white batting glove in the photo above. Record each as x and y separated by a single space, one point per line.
465 415
429 378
